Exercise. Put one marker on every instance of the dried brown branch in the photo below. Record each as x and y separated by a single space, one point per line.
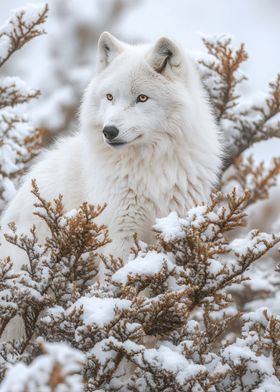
14 92
27 147
257 123
180 297
224 69
242 125
20 29
255 179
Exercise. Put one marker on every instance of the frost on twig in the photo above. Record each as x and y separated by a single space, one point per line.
258 179
59 366
23 25
19 141
257 122
61 269
13 91
221 73
243 123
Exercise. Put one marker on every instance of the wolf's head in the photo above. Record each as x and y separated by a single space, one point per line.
142 95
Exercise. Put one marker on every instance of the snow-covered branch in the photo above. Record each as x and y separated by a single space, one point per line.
155 322
243 123
23 26
19 141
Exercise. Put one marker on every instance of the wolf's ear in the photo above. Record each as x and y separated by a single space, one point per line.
165 56
108 48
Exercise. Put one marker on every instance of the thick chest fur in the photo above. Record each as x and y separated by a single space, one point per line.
137 192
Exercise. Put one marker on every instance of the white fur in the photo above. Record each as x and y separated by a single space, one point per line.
171 160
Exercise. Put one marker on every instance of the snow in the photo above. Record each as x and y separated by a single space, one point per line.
170 226
262 278
254 242
174 228
4 46
146 265
260 316
9 189
239 350
274 121
37 376
254 99
102 352
174 362
163 358
235 353
13 84
30 10
215 266
100 311
271 384
272 303
67 216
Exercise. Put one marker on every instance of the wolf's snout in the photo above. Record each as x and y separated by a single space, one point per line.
110 132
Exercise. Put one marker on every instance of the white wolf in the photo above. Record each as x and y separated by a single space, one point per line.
147 145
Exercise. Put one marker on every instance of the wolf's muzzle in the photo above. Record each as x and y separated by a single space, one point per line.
110 132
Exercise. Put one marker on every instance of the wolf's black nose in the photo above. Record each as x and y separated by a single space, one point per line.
110 132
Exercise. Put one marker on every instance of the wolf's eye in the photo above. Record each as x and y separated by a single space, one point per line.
142 98
109 97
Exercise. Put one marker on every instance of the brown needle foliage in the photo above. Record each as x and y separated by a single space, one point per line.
179 305
21 30
242 125
225 66
255 178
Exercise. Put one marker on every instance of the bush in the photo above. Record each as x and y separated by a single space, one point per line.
180 315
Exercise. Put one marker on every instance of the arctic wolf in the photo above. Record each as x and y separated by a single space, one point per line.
147 145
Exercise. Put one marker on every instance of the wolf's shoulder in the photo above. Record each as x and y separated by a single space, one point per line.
62 150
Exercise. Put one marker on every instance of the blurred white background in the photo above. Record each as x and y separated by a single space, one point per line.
62 62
